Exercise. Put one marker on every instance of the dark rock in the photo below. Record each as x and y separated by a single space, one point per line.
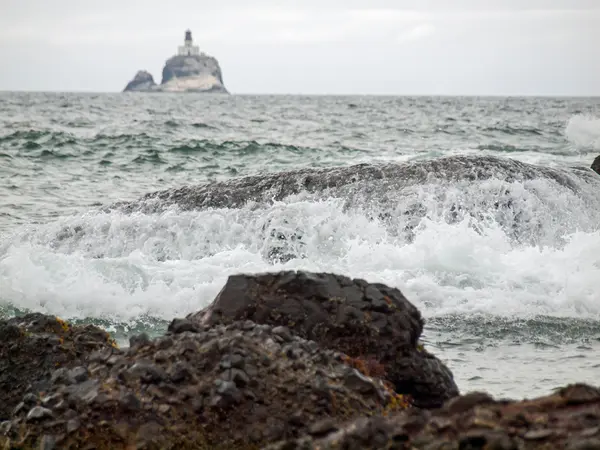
210 389
48 443
181 326
361 183
368 322
596 165
143 81
468 401
33 346
73 425
584 444
537 435
30 399
474 421
322 428
147 372
139 339
78 374
38 413
357 381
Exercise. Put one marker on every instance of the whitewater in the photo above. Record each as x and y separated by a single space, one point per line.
127 211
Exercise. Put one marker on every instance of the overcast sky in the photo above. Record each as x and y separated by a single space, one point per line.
454 47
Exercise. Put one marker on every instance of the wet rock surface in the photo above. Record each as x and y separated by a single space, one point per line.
284 361
33 346
361 183
237 386
596 165
369 322
568 419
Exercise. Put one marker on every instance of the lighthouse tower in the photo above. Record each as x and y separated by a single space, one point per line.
188 48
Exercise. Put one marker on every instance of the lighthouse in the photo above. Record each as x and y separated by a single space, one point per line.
188 48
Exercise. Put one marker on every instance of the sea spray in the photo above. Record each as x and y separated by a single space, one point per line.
511 249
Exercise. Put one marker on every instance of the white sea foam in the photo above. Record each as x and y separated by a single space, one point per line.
537 255
583 131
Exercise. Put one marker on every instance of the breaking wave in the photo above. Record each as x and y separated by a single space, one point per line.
583 131
515 242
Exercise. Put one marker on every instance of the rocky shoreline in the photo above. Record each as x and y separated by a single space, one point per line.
279 361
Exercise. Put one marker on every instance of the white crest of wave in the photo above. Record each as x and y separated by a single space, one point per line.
583 131
127 266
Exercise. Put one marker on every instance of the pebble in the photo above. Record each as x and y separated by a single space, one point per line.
139 340
78 374
536 435
38 413
73 425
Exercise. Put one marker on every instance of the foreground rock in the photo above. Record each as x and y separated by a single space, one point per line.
33 346
228 387
569 419
376 326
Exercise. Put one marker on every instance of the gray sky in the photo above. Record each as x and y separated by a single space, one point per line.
498 47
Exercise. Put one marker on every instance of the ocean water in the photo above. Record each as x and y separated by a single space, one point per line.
504 267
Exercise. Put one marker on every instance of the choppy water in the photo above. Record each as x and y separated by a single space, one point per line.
504 267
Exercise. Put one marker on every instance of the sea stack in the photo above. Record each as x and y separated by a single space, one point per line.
190 70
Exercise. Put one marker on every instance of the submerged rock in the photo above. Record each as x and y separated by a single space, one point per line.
371 323
359 184
226 387
568 419
32 347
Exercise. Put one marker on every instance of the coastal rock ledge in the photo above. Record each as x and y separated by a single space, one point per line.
188 71
286 361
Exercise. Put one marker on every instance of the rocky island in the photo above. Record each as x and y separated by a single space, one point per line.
279 361
188 71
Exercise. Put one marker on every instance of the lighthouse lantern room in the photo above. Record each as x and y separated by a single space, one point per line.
188 48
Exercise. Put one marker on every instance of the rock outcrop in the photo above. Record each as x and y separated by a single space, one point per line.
225 387
369 322
596 165
33 346
286 361
359 184
143 81
200 73
183 73
568 419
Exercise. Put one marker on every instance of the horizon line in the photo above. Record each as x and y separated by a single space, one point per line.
307 94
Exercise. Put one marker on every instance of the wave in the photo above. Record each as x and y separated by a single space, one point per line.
459 236
237 148
514 131
34 139
583 131
366 183
203 125
505 148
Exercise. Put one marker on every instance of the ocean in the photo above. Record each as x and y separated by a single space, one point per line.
502 258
